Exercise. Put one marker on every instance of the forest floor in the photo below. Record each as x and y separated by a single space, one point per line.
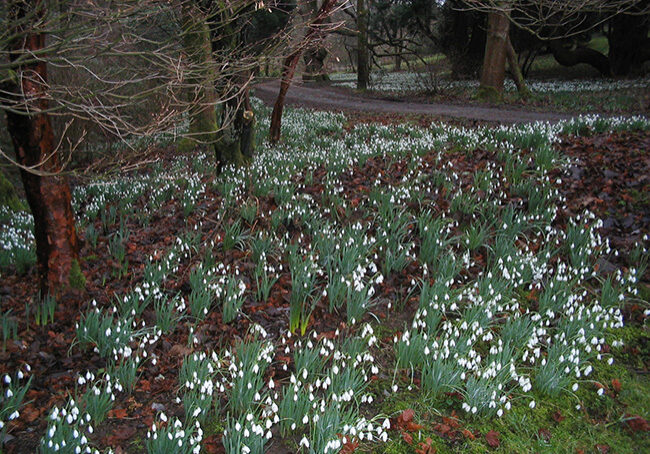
362 189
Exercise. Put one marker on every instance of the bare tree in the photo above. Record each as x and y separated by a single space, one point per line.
140 74
317 28
558 19
548 20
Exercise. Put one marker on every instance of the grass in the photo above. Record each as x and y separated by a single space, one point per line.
600 420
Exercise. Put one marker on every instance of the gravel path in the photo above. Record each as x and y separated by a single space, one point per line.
325 97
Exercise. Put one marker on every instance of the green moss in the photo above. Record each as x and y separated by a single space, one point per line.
77 279
597 420
8 196
228 149
186 145
489 94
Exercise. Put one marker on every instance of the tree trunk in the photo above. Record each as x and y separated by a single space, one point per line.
315 56
494 62
289 67
236 139
33 140
515 70
197 46
288 71
566 57
315 64
629 46
363 67
462 40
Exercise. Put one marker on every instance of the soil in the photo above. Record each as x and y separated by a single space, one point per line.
323 96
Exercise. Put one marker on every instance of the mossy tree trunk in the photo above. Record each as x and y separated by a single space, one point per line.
515 70
8 196
203 117
235 139
235 143
494 62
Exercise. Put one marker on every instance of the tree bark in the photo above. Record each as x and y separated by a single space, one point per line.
566 57
363 68
290 63
236 139
629 46
494 61
197 46
288 71
515 70
315 57
31 132
315 64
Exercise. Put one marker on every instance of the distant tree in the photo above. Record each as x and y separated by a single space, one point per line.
413 26
363 64
552 21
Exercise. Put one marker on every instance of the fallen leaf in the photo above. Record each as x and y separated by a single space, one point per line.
425 447
544 434
211 444
467 434
179 350
407 415
442 428
616 385
349 446
492 439
144 385
413 427
407 437
451 421
118 413
602 449
557 416
30 413
121 434
636 423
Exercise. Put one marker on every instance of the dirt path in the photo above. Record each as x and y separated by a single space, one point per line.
326 97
